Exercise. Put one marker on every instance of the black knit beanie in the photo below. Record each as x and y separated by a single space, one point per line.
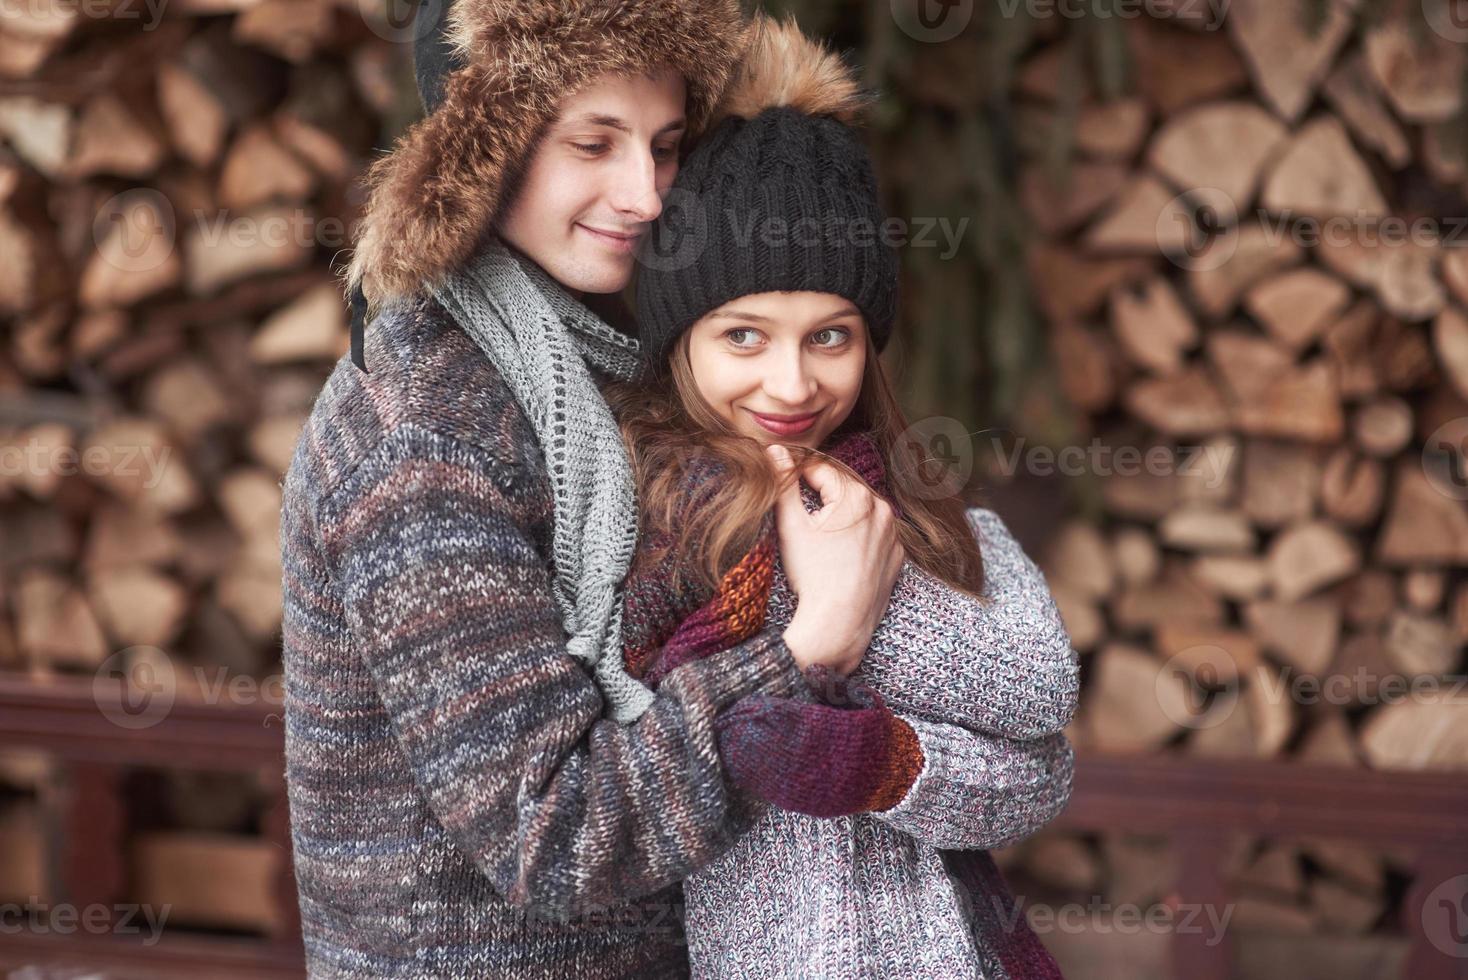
784 201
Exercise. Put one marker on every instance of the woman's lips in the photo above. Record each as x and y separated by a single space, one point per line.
786 425
617 241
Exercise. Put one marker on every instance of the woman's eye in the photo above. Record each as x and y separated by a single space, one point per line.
590 149
733 335
664 152
837 336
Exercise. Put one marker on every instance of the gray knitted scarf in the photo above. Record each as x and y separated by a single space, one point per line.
542 341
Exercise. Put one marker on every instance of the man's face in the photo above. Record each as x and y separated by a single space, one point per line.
595 184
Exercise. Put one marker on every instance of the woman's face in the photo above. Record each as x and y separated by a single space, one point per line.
780 367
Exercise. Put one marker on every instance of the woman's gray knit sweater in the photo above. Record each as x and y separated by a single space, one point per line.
460 805
987 687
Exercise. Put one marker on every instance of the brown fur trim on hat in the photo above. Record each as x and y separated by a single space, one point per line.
784 67
434 199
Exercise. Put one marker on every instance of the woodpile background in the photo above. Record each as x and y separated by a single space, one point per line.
172 198
1298 515
1285 578
175 184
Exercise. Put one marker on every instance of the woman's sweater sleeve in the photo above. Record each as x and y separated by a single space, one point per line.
449 602
1004 667
987 687
982 791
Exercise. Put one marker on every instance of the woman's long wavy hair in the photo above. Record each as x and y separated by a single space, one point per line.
668 426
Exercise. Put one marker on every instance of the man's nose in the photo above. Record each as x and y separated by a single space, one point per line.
635 189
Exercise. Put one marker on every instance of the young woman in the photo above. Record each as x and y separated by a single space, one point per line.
762 325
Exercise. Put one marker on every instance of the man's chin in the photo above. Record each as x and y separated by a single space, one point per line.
598 273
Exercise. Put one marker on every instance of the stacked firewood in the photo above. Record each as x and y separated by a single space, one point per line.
171 201
176 184
1253 267
1256 286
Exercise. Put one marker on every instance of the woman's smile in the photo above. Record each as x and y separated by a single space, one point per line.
785 425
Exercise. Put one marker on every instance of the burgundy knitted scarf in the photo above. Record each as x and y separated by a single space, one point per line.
664 628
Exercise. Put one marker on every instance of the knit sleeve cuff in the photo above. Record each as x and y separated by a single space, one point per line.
760 665
935 801
905 763
976 791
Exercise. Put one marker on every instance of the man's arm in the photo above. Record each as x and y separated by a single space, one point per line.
449 604
838 749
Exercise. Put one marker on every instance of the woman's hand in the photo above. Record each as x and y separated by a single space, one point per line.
841 561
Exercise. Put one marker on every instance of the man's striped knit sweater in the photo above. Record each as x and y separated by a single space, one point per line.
455 792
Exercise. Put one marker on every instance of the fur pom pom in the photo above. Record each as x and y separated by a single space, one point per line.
784 67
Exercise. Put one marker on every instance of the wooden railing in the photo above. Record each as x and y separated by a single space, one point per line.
66 720
1200 804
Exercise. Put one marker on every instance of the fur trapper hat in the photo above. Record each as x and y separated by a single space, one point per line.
492 74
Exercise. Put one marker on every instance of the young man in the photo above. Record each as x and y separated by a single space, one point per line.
456 522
